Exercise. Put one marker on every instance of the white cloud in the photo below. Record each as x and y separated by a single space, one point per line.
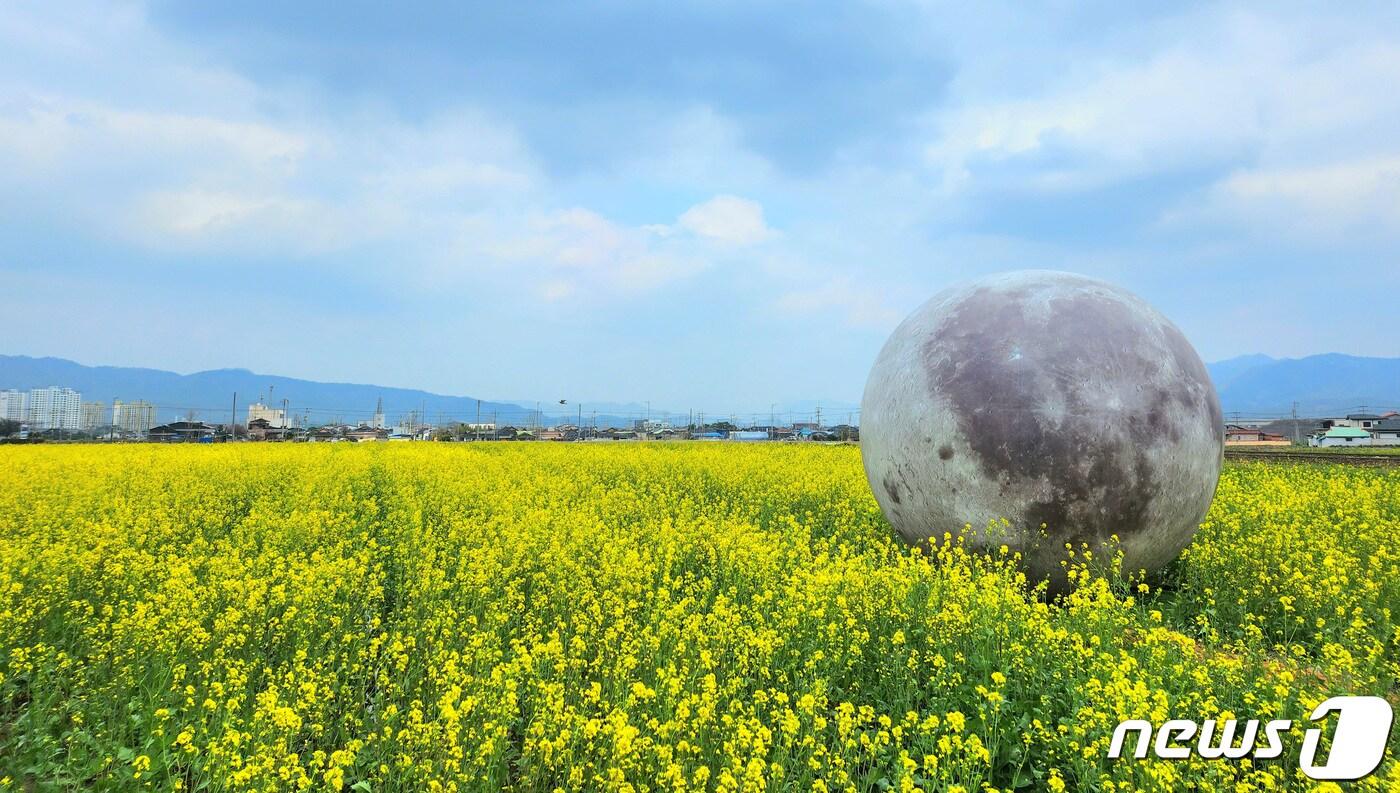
48 133
857 306
578 248
1248 87
727 219
197 212
177 178
702 147
1352 196
555 290
1126 115
243 170
1340 188
196 219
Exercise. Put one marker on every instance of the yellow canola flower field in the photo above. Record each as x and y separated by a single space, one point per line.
639 617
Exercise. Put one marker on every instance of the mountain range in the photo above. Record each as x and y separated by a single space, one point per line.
1322 385
1249 385
209 395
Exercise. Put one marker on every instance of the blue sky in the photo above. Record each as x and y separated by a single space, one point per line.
714 205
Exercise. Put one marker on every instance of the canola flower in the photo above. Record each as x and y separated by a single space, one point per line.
638 617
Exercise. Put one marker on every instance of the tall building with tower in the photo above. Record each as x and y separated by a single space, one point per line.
378 421
55 408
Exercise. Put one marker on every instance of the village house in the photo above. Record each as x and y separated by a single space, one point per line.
1362 421
1341 436
1238 435
262 429
362 433
181 432
1386 432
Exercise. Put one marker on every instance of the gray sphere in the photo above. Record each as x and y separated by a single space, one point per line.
1043 398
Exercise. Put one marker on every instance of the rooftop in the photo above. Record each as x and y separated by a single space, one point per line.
1346 432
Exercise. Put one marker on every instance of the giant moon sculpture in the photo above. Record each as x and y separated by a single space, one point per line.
1062 404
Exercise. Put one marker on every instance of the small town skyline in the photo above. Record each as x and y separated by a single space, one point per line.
64 408
52 411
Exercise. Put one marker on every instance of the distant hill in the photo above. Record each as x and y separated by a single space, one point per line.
1224 372
210 394
1322 385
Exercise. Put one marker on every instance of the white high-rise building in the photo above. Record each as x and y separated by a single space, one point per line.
55 408
94 415
14 405
276 417
138 416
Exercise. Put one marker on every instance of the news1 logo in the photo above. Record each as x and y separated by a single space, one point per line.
1358 744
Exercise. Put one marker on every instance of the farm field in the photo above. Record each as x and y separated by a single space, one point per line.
1342 451
639 617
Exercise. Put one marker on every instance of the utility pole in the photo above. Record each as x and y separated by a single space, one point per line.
819 416
478 419
1295 423
233 419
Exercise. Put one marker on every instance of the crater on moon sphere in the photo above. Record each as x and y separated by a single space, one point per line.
1053 400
